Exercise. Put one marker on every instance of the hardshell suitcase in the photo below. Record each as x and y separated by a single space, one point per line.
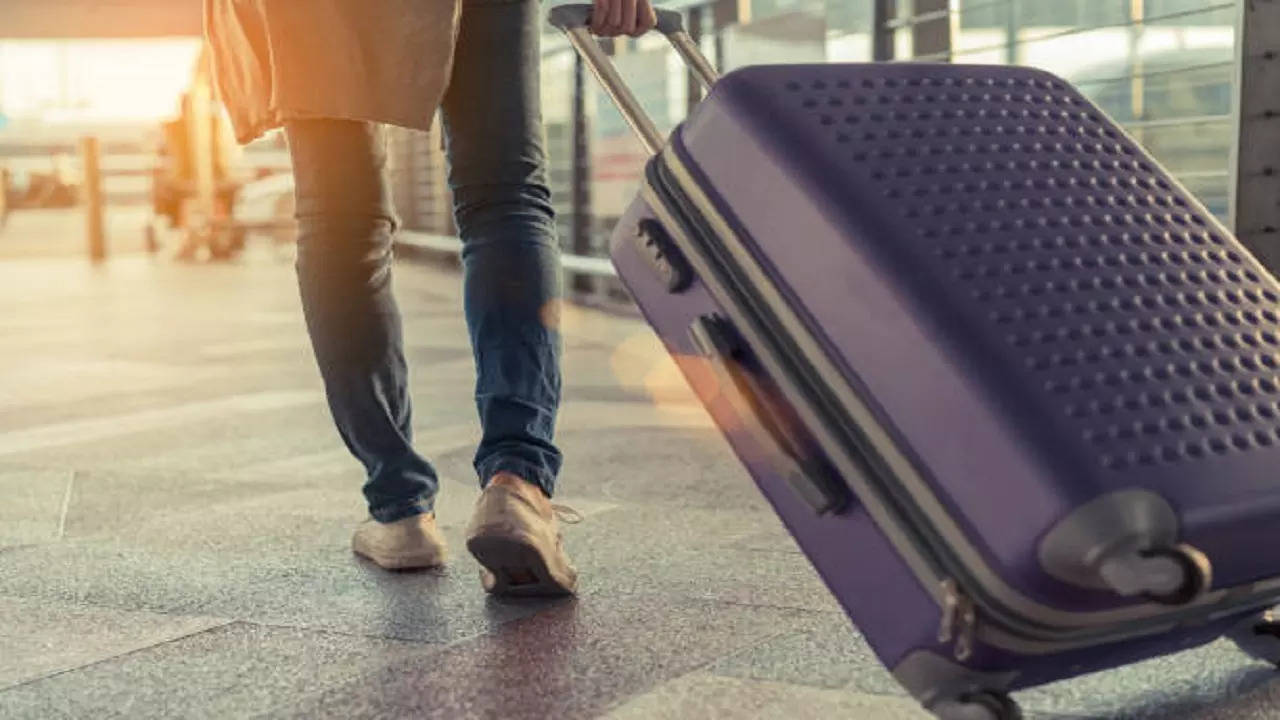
1011 388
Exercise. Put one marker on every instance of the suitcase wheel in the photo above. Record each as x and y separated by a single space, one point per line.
663 256
1259 637
1197 574
986 705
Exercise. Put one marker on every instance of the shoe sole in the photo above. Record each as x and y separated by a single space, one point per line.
518 567
401 562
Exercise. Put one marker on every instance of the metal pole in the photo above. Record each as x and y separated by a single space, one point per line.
724 15
881 34
581 178
1011 32
438 155
1137 88
90 152
202 142
1255 162
932 37
4 196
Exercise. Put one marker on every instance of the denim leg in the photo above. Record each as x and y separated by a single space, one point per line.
346 222
495 143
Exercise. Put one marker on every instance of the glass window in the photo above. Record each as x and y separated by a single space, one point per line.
1166 79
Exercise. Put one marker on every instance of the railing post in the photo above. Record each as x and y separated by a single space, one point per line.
582 221
1012 24
881 33
1255 159
726 13
932 37
202 143
4 196
1137 84
90 153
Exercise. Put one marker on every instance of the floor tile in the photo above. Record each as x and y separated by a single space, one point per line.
235 670
701 695
40 638
573 661
34 502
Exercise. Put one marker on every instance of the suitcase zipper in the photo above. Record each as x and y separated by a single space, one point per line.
959 592
958 623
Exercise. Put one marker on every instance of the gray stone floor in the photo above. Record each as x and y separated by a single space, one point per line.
175 510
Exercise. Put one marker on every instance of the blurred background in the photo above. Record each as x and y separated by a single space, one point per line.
130 80
175 502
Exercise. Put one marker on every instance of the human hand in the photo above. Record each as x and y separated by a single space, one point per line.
611 18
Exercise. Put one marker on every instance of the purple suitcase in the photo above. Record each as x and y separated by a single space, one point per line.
1013 390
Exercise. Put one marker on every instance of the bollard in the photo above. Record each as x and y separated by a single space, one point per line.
97 233
4 196
202 140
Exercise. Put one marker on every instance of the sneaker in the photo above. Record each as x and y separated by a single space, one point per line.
515 535
413 542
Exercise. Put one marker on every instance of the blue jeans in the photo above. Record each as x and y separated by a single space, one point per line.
512 283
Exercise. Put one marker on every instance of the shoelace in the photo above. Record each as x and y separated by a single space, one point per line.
567 515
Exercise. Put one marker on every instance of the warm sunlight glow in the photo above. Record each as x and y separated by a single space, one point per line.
80 81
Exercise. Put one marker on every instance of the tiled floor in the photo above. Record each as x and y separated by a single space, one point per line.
175 510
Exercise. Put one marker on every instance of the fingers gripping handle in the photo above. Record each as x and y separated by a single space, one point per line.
574 20
670 23
568 17
578 15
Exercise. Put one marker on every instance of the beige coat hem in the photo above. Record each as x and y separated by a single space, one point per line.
253 130
380 61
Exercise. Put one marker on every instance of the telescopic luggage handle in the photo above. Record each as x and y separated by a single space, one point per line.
574 21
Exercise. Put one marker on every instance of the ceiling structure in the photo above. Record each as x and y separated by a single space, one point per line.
31 19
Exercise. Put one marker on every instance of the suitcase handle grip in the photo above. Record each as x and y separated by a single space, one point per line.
576 15
573 20
761 418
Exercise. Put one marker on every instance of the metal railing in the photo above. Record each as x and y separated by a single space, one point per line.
419 168
1147 91
1172 93
1132 22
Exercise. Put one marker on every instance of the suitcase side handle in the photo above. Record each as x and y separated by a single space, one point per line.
574 20
763 420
